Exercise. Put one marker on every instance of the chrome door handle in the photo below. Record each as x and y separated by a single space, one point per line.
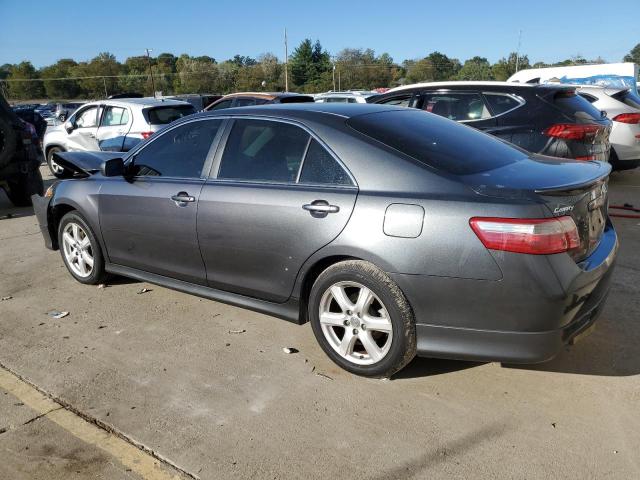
320 208
183 198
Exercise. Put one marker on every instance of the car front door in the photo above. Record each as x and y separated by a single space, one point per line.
148 219
85 127
114 126
466 107
276 196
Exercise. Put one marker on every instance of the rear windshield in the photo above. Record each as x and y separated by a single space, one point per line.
628 98
297 99
168 114
576 106
437 142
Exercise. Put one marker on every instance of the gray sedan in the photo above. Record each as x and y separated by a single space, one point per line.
392 231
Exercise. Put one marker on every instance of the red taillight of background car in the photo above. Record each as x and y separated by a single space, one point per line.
146 135
572 131
586 158
631 118
535 236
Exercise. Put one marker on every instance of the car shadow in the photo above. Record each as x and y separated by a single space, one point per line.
429 367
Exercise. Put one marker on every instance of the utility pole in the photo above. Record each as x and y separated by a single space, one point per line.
104 82
518 50
153 83
286 62
334 77
339 85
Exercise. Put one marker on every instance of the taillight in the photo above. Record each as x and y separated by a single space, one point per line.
632 118
586 157
572 131
535 236
146 135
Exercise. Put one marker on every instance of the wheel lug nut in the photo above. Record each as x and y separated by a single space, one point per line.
349 312
363 326
346 323
355 331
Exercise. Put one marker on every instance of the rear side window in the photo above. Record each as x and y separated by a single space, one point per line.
221 105
165 115
437 142
575 106
500 104
180 152
261 150
113 116
320 167
400 101
628 98
455 106
245 102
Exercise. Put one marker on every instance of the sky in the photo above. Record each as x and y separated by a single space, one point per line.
45 31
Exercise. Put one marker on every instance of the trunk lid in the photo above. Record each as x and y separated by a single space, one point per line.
565 187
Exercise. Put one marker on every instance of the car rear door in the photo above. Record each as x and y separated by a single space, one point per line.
148 219
276 196
114 126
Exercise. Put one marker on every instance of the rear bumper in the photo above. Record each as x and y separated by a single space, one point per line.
523 318
41 209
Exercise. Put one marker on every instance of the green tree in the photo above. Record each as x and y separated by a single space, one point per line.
633 55
197 75
309 66
21 84
506 67
419 71
444 68
100 71
60 89
476 68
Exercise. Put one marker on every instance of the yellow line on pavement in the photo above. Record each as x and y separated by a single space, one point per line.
128 455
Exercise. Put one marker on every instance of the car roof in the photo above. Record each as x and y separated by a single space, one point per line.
143 102
297 110
266 95
501 86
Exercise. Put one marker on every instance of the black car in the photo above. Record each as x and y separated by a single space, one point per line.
248 99
547 119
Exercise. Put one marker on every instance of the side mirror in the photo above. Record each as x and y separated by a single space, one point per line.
68 126
113 167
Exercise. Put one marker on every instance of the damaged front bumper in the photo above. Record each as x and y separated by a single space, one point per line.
41 209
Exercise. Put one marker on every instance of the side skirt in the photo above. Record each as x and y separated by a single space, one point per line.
290 310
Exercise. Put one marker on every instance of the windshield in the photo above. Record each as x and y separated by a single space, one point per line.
168 114
437 142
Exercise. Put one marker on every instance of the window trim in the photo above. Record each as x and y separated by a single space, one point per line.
215 169
208 162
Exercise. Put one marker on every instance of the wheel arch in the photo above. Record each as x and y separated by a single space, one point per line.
55 214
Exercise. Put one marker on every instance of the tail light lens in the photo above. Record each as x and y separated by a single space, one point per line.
631 118
146 135
573 131
535 236
586 158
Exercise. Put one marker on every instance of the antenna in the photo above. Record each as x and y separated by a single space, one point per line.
518 50
286 62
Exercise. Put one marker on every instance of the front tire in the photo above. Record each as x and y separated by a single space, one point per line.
55 169
362 320
80 249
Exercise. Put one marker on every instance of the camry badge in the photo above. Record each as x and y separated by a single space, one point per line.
563 209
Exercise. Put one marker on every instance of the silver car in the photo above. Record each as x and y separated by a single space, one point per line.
623 107
349 96
110 125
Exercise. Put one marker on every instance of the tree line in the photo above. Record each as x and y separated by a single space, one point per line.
311 69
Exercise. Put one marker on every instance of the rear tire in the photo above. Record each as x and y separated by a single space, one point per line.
55 169
354 303
80 250
619 165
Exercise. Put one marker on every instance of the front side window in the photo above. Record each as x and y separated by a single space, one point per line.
87 118
260 150
180 152
501 103
114 116
455 106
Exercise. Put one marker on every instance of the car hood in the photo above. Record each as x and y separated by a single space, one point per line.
86 163
536 174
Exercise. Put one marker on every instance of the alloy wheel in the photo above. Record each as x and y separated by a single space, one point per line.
77 249
355 323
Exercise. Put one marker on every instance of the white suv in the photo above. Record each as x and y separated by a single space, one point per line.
110 125
623 107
